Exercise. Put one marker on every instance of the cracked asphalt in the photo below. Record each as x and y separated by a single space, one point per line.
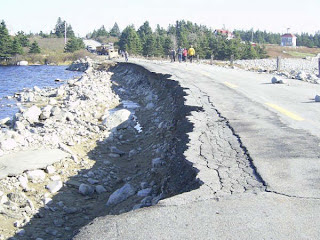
259 164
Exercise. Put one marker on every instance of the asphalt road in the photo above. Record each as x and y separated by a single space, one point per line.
256 146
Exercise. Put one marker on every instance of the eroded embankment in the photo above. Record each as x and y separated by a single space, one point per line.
119 159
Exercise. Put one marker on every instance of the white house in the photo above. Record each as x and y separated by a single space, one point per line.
288 40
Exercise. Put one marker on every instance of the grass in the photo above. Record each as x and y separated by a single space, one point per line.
52 52
291 52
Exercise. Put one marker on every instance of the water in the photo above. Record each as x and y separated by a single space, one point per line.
14 78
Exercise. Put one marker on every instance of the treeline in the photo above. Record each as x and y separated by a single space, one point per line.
263 37
206 42
13 46
20 44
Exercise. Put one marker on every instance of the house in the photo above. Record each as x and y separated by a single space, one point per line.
288 40
225 33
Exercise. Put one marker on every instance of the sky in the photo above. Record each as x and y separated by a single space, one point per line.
87 15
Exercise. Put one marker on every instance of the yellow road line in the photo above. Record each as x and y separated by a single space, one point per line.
285 112
230 85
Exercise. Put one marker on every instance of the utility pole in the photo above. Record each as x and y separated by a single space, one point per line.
65 33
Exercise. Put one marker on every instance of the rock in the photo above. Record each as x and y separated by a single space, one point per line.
116 118
4 121
23 182
54 186
150 106
70 210
21 232
8 144
32 114
144 185
132 153
317 98
36 176
277 80
50 169
121 194
157 163
19 126
46 112
60 92
113 149
100 189
85 189
144 192
92 181
55 178
17 197
53 101
55 111
47 200
22 63
36 89
3 198
302 76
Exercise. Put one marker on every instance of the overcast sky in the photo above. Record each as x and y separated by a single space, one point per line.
87 15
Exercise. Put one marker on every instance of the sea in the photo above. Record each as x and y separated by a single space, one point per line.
16 78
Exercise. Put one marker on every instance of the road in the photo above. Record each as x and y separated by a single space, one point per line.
256 146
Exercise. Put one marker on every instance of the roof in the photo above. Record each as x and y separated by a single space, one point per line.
288 35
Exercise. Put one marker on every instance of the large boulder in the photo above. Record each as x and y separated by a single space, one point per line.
121 194
116 118
32 114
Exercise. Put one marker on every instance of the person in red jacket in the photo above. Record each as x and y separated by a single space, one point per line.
184 55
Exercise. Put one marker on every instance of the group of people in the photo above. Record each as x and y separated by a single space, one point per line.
183 54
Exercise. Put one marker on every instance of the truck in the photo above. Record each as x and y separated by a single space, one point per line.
107 49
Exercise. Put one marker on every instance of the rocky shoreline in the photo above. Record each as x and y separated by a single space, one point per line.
122 130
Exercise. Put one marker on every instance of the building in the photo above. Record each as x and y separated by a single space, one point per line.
229 35
288 40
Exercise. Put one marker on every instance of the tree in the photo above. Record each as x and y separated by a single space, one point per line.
34 48
16 47
115 31
74 44
23 39
59 29
5 41
130 41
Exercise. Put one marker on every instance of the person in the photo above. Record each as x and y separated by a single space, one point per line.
180 50
126 56
191 53
184 55
173 55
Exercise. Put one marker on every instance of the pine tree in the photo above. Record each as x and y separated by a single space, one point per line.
130 41
34 48
23 39
115 31
5 41
16 47
59 29
74 44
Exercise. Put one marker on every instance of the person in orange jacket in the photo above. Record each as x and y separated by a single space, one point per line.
191 53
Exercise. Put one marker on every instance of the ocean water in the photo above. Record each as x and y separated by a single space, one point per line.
16 78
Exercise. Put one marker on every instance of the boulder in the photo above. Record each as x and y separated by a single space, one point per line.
144 192
116 118
8 144
32 114
22 63
317 98
86 189
36 175
54 186
302 76
277 80
121 194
